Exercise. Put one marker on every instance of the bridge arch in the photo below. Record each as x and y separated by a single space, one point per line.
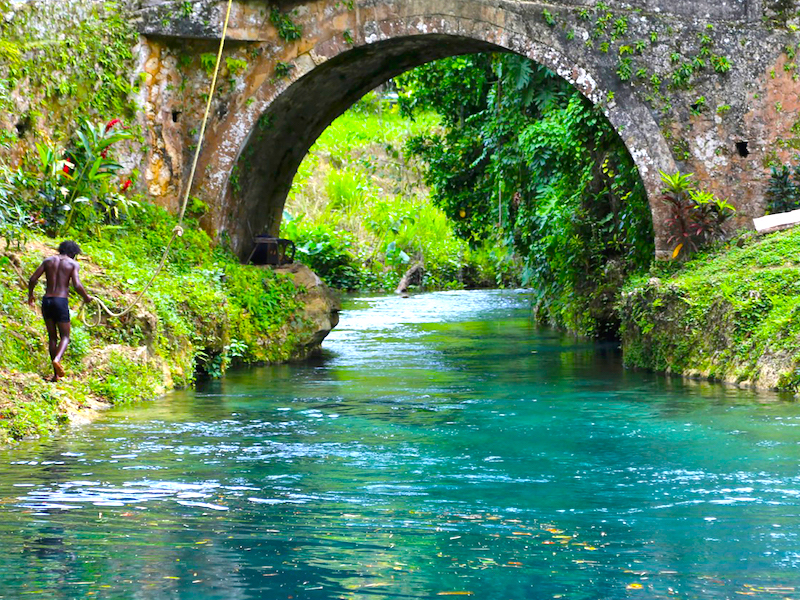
252 156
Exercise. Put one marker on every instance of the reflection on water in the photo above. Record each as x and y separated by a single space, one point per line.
442 445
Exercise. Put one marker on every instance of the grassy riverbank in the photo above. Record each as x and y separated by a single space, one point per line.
204 312
361 214
732 314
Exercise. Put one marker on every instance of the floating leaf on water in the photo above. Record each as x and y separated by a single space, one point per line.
634 586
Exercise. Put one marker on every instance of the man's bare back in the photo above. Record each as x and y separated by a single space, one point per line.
60 273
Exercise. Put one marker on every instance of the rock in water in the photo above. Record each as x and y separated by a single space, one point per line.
321 313
412 277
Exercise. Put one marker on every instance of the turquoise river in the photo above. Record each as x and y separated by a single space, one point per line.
442 445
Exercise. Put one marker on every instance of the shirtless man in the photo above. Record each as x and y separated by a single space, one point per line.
60 271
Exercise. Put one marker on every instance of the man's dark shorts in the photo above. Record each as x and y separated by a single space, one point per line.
55 309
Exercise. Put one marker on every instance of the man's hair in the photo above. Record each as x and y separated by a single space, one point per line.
69 248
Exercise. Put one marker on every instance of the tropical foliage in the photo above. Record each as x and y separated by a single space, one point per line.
783 191
696 217
527 163
56 189
205 312
361 215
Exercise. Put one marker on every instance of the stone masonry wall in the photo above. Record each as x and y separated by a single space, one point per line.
710 88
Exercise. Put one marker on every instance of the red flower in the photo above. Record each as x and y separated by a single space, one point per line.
126 185
111 124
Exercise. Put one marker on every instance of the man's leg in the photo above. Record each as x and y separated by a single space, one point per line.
63 331
52 337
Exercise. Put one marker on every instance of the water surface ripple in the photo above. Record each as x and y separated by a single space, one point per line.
441 446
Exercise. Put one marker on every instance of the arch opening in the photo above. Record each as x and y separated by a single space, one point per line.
302 109
521 165
296 118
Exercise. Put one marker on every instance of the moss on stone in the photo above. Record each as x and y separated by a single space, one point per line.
732 314
63 62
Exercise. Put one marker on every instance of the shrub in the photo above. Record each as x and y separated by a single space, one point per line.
696 217
78 187
783 191
325 251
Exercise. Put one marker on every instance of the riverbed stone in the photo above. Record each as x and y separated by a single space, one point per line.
321 310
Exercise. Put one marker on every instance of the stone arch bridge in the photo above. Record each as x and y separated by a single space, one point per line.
709 87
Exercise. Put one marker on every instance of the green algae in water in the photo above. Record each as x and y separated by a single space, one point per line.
441 446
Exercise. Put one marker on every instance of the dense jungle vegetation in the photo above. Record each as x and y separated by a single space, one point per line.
528 184
361 214
526 162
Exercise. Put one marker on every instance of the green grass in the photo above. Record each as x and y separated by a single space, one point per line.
204 304
357 194
731 314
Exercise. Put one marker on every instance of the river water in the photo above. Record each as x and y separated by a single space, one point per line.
441 446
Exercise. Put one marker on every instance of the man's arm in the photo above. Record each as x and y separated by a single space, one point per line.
32 282
76 282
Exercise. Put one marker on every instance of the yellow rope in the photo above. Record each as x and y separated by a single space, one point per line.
177 231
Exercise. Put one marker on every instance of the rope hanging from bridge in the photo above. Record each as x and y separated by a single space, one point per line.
177 231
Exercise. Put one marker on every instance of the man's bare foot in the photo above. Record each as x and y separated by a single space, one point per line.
59 370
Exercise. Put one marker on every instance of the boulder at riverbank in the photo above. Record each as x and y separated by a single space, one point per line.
320 313
731 315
